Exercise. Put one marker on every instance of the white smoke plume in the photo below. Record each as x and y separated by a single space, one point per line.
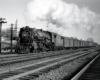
64 16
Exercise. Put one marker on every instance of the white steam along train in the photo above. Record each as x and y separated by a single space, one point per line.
32 40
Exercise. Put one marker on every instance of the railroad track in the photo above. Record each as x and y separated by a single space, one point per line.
22 57
6 65
13 57
10 56
31 71
89 75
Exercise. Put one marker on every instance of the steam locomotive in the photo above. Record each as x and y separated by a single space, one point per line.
36 40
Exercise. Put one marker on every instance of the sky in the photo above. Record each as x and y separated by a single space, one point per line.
12 10
29 12
93 5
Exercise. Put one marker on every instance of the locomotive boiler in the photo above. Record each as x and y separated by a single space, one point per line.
31 39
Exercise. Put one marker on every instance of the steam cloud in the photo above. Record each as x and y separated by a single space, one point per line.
63 15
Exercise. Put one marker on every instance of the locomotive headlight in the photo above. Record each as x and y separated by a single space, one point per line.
24 34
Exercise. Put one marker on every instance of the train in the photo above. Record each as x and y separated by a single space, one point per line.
37 40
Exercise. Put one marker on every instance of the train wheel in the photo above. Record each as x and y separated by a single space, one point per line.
32 50
27 50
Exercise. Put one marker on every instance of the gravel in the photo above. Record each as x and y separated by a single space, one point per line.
65 71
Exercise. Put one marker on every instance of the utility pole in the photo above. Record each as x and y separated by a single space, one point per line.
11 35
69 43
73 43
1 21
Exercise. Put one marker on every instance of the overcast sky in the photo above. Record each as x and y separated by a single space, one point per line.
14 9
93 5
